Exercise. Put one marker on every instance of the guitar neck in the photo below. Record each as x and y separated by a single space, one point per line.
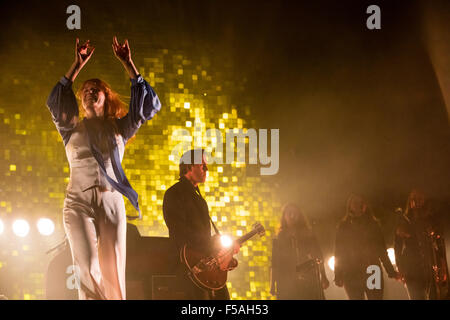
246 237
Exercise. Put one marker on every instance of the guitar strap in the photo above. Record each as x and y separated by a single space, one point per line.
214 226
212 222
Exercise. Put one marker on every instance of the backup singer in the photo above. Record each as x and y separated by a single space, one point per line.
94 209
359 244
294 246
420 250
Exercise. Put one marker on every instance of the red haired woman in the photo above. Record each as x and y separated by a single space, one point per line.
94 210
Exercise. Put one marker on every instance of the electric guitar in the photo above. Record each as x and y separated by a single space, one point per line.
210 272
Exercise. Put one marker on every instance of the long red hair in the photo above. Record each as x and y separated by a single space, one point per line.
114 108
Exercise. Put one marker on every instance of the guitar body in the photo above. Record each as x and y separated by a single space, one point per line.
210 272
209 279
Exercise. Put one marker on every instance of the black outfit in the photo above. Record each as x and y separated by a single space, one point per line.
419 246
187 216
359 244
288 252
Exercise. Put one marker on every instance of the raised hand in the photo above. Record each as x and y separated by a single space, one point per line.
121 51
82 55
123 54
83 52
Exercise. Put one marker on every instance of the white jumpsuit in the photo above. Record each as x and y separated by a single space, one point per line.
94 212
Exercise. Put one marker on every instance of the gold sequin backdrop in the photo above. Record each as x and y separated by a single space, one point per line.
196 95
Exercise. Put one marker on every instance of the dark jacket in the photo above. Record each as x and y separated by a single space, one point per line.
288 252
419 247
359 244
187 216
412 249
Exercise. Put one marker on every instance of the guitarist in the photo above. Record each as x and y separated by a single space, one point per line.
187 216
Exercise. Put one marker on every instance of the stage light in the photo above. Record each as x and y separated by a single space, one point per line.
331 263
2 227
21 228
226 241
391 254
45 226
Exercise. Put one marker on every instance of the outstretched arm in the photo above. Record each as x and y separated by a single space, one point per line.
61 101
123 54
144 102
82 55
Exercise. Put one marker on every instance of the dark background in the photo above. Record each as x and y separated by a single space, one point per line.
358 110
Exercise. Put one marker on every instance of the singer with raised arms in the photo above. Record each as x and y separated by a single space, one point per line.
94 210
